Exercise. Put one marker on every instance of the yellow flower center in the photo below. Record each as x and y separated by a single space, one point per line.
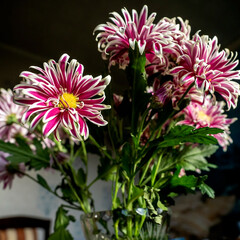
203 116
68 100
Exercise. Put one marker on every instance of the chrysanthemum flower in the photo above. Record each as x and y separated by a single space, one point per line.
212 70
6 172
61 96
173 91
209 114
10 117
116 37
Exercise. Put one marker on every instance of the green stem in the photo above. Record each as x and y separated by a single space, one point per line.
114 200
162 170
156 170
140 130
104 152
145 171
100 176
116 228
71 187
85 158
129 227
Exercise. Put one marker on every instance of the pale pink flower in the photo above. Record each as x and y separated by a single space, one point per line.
182 173
202 62
209 114
116 37
10 117
61 96
7 173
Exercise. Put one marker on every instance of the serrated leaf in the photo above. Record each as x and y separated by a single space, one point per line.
40 151
205 189
23 143
19 153
62 219
18 159
61 234
184 181
43 182
137 192
184 133
37 165
194 157
208 130
67 193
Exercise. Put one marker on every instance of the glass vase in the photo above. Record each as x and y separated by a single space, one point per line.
120 224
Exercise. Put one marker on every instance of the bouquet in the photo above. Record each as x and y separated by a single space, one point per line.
153 138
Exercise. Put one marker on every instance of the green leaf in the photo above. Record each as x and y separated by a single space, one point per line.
18 159
184 133
43 182
20 154
205 189
136 193
194 157
40 151
106 172
62 219
81 177
61 234
160 182
153 202
21 141
184 181
208 130
67 193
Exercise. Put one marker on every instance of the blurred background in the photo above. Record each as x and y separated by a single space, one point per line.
32 32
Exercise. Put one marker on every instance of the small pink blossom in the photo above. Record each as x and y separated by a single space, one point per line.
116 37
182 173
6 174
209 114
10 117
61 96
201 61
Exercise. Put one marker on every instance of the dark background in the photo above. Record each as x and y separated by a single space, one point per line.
32 32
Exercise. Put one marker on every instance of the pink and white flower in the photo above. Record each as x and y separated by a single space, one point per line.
173 91
116 37
10 117
61 96
212 70
6 172
209 114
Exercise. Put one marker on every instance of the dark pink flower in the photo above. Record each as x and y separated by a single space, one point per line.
10 117
116 37
6 172
61 96
212 70
173 91
209 114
